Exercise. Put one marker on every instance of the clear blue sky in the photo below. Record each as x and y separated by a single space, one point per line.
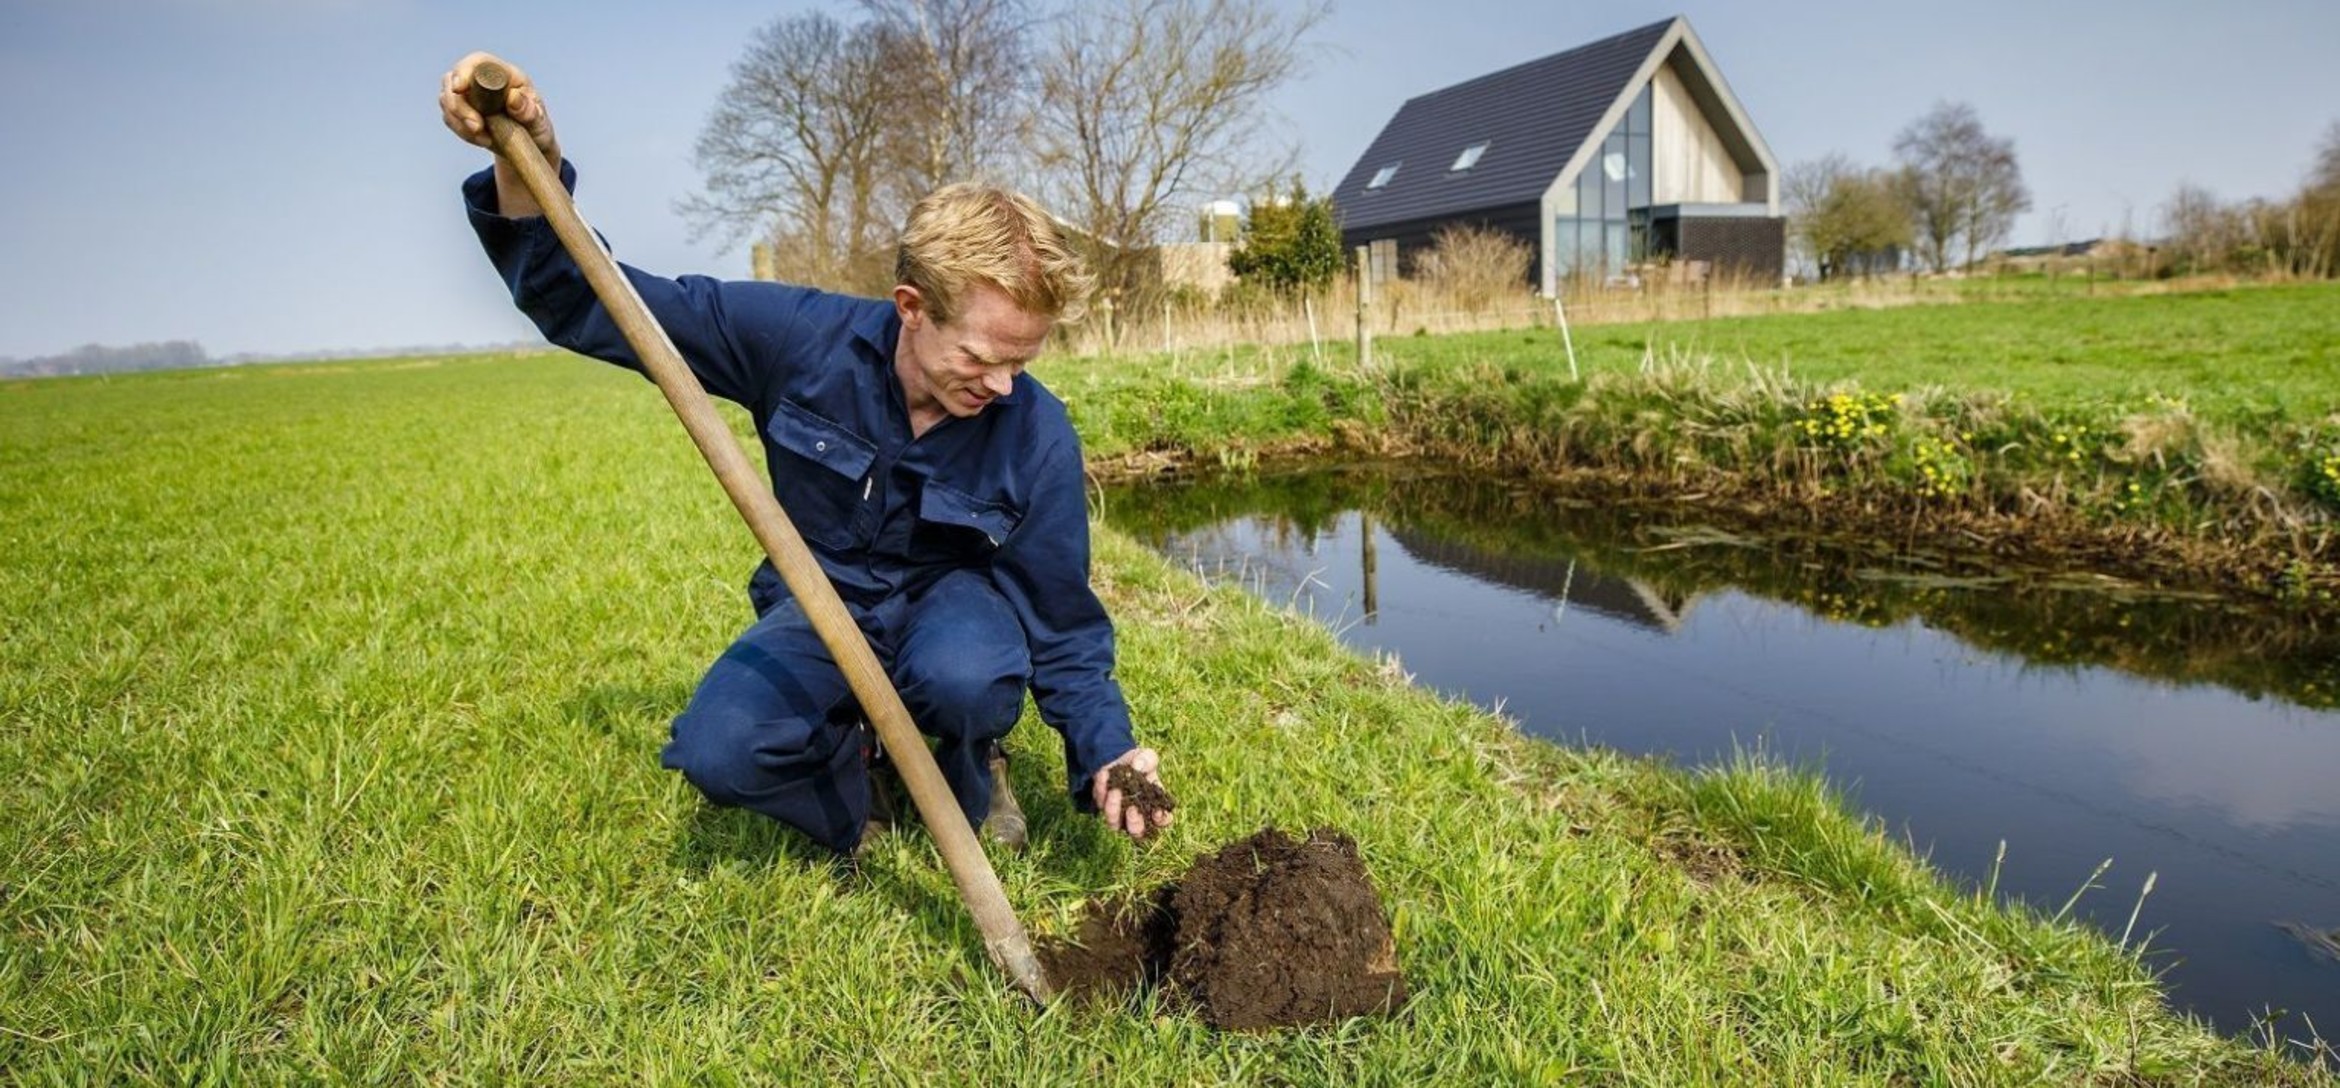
270 175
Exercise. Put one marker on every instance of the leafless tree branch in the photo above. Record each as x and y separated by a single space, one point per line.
1146 106
1963 186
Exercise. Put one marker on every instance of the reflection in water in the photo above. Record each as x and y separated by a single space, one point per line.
1627 600
2074 717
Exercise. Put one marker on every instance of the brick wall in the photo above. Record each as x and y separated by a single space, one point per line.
1739 248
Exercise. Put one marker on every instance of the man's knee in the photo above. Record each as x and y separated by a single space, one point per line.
964 665
735 759
966 696
712 756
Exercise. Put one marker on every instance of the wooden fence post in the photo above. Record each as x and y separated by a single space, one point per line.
1364 303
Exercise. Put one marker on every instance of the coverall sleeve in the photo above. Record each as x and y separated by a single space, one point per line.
1043 571
727 332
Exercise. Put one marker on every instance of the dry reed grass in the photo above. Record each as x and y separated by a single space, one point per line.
1188 322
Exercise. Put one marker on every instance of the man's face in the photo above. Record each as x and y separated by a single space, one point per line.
962 364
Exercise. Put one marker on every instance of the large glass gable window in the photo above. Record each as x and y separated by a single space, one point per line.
1610 230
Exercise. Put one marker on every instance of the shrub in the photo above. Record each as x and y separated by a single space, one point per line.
1290 243
1475 266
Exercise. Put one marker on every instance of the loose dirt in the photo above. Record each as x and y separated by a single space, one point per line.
1269 932
1136 789
1122 948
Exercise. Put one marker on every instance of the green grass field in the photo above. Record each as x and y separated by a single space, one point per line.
2248 356
330 699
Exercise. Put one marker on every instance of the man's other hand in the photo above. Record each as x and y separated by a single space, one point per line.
1128 819
521 103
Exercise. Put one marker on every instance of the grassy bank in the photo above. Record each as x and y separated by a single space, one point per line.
2187 437
329 704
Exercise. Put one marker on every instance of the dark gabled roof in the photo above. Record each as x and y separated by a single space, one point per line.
1533 117
1553 578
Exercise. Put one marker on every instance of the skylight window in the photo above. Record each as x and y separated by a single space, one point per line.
1469 157
1382 178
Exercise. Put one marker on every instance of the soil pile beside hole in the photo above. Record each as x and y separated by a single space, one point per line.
1271 931
1142 792
1275 931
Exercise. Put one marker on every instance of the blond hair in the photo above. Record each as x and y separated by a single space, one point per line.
965 233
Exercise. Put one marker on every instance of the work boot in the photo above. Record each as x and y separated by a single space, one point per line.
1006 824
882 779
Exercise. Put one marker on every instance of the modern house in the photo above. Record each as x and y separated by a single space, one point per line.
1628 150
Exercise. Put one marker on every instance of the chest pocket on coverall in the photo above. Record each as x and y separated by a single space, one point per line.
819 471
958 528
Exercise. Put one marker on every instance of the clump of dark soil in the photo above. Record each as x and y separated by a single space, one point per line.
1274 931
1271 931
1137 790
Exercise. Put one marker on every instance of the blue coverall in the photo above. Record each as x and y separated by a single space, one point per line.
962 553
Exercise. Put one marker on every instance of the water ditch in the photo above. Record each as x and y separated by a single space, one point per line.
2072 716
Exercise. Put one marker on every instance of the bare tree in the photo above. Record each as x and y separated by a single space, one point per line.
1963 186
2003 196
1133 108
1802 191
2316 214
2202 233
960 75
1847 219
1147 105
2270 238
795 151
2325 174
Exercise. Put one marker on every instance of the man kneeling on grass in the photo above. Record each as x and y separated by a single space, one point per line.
939 485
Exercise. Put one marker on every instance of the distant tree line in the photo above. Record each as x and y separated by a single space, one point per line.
1950 198
1953 191
1118 115
2298 236
103 359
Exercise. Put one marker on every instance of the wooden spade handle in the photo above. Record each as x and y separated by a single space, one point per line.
1003 937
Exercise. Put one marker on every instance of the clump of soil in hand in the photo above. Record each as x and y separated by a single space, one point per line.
1143 793
1271 931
